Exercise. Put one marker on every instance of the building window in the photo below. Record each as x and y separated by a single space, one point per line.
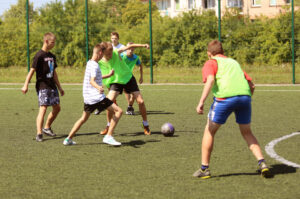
177 2
234 3
256 2
191 4
272 2
163 4
209 4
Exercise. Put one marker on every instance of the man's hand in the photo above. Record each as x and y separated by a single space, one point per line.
101 90
62 92
24 89
200 108
147 46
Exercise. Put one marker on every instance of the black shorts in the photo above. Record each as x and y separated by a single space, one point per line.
101 106
130 87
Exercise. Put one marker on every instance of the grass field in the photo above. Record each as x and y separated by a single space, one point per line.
146 166
260 74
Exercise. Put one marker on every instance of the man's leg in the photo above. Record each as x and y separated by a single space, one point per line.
142 107
112 95
255 148
117 113
40 122
210 130
208 141
85 116
52 115
130 101
251 140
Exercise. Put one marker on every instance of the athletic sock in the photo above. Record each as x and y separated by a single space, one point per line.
108 124
145 123
203 167
260 161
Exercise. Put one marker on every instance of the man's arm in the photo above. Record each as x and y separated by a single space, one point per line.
28 78
111 73
94 84
120 50
55 77
252 87
141 74
207 88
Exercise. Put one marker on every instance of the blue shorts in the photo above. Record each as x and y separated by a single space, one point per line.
240 105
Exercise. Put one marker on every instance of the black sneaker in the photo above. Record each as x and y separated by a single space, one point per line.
264 170
49 132
204 174
97 112
130 110
39 137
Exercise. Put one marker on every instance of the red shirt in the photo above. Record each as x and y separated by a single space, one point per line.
211 68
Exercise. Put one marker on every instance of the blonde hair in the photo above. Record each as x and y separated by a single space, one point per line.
49 35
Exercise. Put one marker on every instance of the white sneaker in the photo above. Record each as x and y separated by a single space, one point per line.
68 141
108 139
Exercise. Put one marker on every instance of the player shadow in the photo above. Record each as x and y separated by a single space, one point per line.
154 113
48 138
137 143
142 134
275 169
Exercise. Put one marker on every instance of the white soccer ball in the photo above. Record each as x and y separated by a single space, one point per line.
167 129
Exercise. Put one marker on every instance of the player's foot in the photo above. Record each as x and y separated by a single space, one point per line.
108 139
68 141
130 110
39 137
104 132
97 112
49 132
147 130
204 174
264 170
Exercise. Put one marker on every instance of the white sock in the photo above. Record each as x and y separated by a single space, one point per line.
108 124
145 123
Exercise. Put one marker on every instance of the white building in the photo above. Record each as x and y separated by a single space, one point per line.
252 8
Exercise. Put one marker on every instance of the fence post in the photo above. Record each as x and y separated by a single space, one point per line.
86 32
293 42
27 34
150 24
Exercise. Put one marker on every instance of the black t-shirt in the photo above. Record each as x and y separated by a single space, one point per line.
44 64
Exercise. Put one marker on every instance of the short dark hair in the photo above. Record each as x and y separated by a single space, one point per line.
115 34
215 47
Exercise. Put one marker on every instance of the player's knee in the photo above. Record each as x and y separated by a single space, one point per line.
56 109
140 101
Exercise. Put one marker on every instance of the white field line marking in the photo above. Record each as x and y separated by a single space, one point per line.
164 89
271 152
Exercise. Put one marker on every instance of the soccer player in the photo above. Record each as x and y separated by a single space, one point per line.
122 79
114 37
47 83
232 89
132 60
94 98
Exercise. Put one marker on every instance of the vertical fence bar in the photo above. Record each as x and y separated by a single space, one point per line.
86 32
150 25
27 34
293 42
219 19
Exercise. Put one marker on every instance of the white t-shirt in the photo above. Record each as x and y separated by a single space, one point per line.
91 95
118 46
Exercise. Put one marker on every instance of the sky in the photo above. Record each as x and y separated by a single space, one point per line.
5 4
